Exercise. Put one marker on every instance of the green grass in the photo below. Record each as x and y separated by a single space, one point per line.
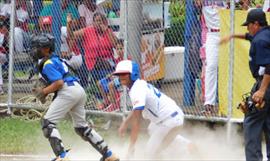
18 135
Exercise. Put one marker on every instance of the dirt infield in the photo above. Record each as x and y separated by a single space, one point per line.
210 141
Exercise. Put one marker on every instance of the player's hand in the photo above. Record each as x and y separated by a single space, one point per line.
122 130
130 152
258 96
38 92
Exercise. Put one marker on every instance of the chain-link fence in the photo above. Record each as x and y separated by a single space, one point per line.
176 43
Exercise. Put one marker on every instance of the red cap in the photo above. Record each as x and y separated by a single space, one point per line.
47 20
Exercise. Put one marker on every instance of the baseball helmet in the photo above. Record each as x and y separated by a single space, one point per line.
128 66
41 41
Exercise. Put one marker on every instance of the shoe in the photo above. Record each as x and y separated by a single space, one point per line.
110 157
210 110
62 157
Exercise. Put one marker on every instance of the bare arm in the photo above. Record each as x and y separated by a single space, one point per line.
135 129
55 86
73 35
228 38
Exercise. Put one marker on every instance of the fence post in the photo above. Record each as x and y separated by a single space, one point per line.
11 52
231 66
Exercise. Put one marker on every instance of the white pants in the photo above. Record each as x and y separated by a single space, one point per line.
158 132
211 68
70 99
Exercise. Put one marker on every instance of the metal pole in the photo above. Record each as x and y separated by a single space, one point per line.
124 98
231 66
11 52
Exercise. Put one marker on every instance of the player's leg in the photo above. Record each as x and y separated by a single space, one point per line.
157 134
58 109
88 134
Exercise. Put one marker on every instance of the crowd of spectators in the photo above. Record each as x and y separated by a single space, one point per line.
90 52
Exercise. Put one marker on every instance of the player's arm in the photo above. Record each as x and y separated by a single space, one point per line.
55 86
137 115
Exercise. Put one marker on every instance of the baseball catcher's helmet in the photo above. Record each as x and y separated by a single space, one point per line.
128 66
41 41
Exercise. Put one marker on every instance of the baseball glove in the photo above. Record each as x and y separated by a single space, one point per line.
38 90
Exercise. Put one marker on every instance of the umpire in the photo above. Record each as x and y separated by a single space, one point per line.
257 120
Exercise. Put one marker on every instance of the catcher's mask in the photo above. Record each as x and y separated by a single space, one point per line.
41 41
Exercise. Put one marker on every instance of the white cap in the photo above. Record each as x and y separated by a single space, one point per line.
124 66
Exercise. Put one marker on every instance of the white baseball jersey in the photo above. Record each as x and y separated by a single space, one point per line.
210 12
156 106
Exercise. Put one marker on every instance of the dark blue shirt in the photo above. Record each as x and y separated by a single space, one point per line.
55 69
259 50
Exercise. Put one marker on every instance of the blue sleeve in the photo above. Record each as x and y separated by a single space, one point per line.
52 74
138 108
262 52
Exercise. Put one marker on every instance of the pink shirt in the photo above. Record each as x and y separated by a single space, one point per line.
96 45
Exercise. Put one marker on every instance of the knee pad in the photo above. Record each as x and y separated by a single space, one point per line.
50 131
93 138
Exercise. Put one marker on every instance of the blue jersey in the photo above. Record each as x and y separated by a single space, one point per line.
55 69
259 51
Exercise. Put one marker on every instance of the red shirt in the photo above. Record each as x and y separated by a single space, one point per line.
96 45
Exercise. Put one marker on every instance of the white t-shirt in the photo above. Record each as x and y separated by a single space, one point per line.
22 15
6 9
87 14
156 106
19 39
210 12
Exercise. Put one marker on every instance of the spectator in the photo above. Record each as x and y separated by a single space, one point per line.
3 59
98 44
210 13
3 51
22 14
21 37
67 7
87 10
109 86
6 8
72 56
46 24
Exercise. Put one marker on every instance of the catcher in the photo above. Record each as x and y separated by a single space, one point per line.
69 98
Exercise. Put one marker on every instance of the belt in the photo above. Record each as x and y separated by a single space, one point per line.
171 116
70 83
214 30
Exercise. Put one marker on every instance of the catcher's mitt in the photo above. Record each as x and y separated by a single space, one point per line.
39 84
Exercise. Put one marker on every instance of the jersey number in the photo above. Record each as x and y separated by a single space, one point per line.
156 91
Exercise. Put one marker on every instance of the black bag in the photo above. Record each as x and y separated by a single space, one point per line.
102 63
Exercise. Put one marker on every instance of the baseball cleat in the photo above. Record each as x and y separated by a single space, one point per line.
62 157
112 157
